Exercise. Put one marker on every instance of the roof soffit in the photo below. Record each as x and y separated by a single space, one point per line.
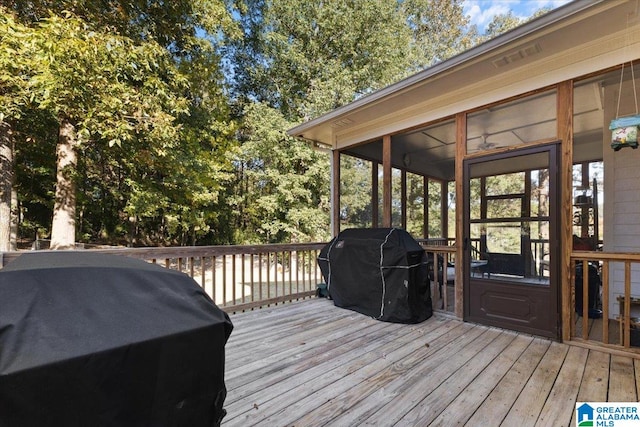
509 69
586 58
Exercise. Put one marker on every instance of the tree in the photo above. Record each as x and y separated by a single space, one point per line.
281 194
9 90
103 89
355 192
6 182
297 61
148 115
305 59
501 24
504 22
150 93
35 170
415 203
439 30
15 71
173 24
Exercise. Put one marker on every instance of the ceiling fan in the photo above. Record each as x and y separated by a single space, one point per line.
484 145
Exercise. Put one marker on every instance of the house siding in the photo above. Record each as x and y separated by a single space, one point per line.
622 198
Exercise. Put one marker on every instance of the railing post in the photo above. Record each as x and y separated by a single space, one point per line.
605 302
627 304
224 280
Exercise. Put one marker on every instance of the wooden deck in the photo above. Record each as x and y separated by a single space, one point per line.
310 363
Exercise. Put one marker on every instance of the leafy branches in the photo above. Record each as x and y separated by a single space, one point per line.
307 58
152 131
177 110
281 182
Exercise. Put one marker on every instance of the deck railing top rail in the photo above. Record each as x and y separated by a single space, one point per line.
439 249
237 277
149 253
603 300
606 256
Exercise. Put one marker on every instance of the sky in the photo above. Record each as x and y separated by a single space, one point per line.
482 11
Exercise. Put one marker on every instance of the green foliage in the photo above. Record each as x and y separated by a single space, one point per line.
502 23
110 88
297 61
163 158
282 184
355 193
439 30
15 70
415 203
306 58
174 24
35 170
153 129
119 95
506 22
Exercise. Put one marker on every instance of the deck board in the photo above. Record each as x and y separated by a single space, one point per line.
317 371
407 390
362 387
622 382
395 390
595 380
527 407
499 401
473 394
311 364
297 344
558 408
443 396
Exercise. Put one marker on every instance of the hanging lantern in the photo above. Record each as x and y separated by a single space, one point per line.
624 132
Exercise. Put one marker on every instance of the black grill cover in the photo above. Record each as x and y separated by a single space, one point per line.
380 272
96 340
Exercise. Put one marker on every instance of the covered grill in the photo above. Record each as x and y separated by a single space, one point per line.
380 272
90 339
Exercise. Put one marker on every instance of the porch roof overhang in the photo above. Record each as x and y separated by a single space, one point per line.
582 37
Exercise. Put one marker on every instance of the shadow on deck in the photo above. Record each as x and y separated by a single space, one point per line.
310 363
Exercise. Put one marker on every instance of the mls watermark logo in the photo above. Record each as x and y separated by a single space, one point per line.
607 414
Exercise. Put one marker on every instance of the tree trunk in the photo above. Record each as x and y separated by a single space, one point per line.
6 184
63 227
15 216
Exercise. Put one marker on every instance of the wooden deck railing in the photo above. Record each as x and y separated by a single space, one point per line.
245 277
242 277
236 277
619 325
443 292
